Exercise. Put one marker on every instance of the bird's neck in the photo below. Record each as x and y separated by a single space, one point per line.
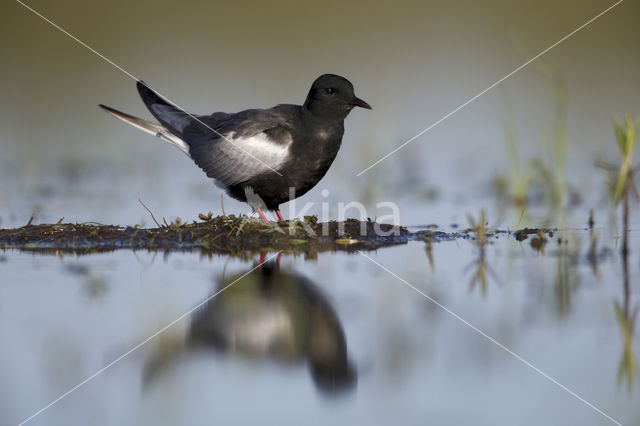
322 117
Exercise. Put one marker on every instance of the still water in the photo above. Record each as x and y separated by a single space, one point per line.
335 339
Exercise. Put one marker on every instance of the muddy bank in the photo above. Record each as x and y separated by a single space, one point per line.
238 236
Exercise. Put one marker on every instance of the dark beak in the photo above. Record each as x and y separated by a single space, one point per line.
360 103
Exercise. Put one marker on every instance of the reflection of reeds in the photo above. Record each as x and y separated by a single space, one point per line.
592 256
563 284
567 278
626 321
479 228
627 365
480 275
429 249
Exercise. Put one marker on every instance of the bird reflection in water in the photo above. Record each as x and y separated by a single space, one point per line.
271 314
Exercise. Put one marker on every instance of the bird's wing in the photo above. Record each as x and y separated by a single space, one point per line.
234 148
230 148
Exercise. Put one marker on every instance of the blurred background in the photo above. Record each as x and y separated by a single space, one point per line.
413 62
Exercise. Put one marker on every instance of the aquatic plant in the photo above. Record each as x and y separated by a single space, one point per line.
621 191
479 228
545 175
626 142
621 182
626 138
517 184
559 143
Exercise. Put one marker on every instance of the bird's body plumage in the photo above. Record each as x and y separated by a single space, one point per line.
265 152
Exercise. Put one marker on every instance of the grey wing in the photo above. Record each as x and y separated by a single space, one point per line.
241 146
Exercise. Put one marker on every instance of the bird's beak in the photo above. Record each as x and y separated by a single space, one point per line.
360 103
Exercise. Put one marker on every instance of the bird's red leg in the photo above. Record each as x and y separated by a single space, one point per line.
263 257
279 215
264 218
278 258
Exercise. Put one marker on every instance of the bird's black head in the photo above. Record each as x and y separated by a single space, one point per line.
332 97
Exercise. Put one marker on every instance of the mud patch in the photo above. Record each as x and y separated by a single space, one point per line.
236 236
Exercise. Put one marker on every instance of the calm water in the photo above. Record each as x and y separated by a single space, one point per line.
337 339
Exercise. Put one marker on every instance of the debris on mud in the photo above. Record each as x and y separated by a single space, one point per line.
523 234
223 234
234 235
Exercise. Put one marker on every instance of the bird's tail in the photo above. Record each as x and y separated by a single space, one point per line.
153 128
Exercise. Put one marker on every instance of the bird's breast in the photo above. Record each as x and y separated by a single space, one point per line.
311 158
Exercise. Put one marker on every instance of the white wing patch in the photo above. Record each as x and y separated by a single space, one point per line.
260 146
254 155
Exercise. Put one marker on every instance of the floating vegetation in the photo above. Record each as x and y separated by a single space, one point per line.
479 228
234 235
481 235
524 233
223 234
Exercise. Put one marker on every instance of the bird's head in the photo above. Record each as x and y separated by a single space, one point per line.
332 97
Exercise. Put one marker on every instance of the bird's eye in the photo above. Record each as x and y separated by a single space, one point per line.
330 90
